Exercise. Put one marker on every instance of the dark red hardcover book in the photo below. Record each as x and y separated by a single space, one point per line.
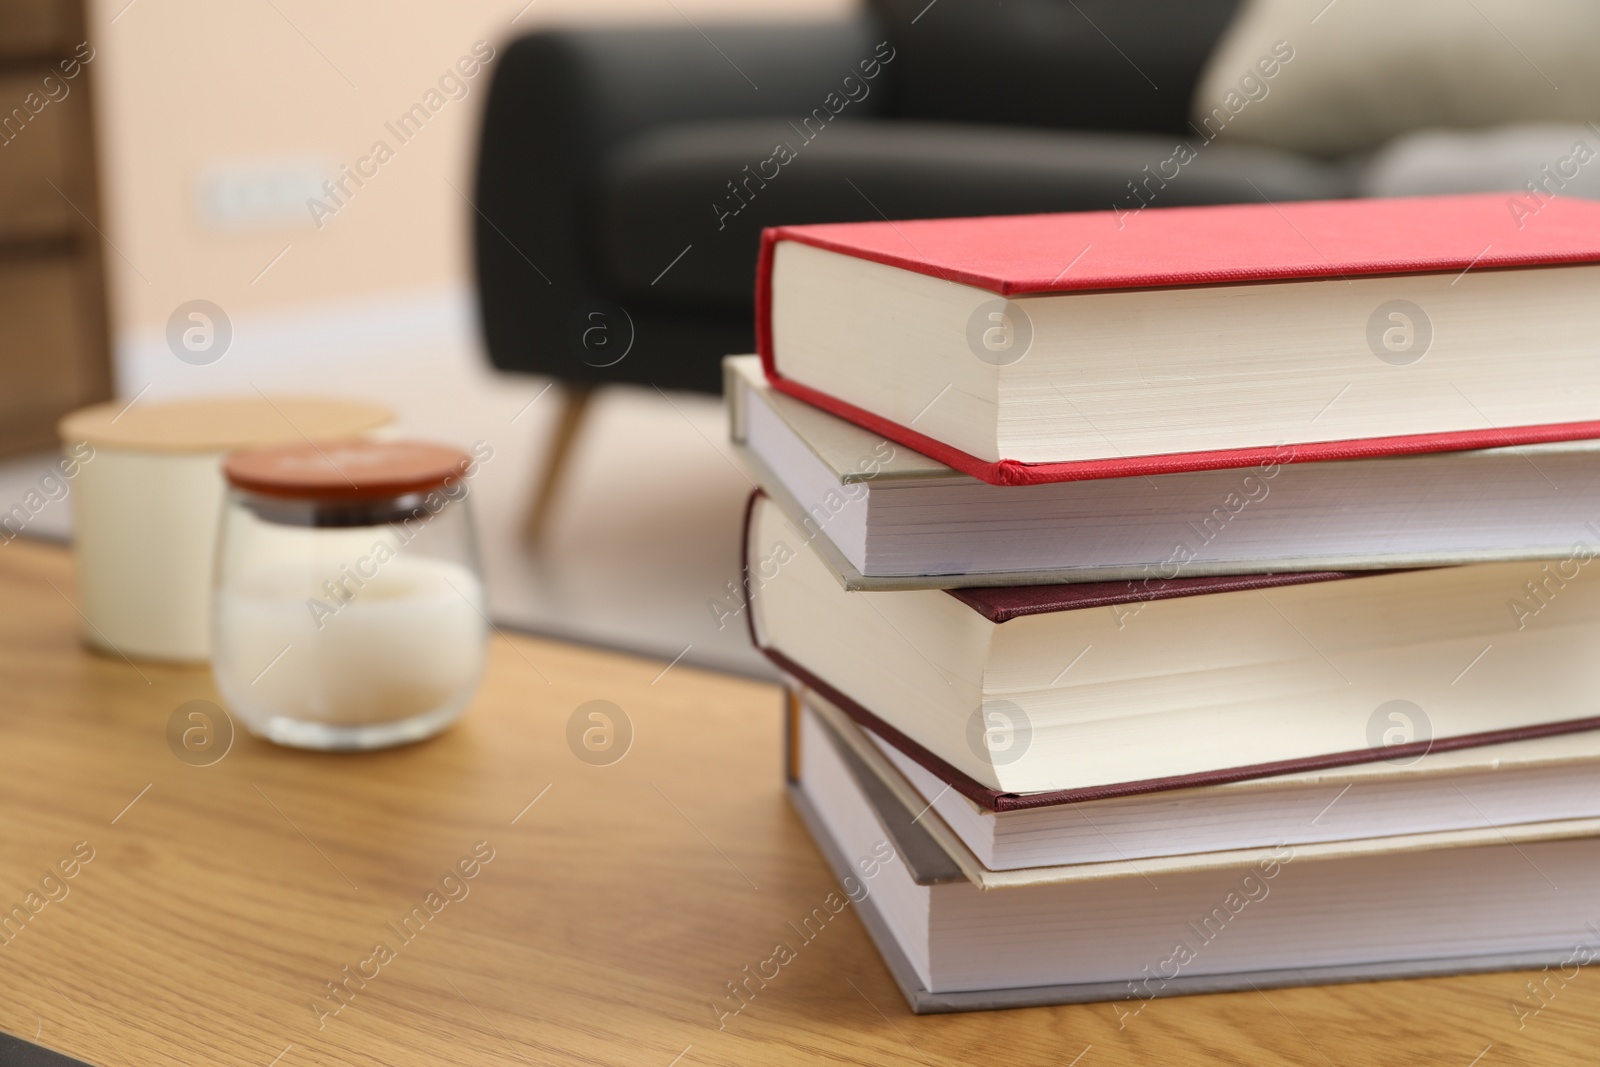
1001 604
1199 246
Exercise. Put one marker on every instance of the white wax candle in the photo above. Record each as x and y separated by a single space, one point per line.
410 641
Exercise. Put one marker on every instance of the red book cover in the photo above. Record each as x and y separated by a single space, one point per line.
1171 247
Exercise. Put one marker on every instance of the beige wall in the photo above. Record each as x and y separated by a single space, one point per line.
185 85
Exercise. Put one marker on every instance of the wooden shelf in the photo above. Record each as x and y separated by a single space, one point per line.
55 351
32 30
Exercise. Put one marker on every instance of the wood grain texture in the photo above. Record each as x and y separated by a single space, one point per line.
219 903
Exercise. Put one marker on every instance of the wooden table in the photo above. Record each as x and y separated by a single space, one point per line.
222 899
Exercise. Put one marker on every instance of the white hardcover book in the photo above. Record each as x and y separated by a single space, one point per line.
1276 918
885 516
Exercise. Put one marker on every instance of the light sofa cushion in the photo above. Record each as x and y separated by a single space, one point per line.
1364 71
1530 163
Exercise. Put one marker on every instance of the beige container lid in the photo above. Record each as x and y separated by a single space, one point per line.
220 423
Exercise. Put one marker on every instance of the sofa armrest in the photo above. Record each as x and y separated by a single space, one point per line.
560 99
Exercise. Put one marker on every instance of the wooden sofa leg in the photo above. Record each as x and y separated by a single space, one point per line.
574 407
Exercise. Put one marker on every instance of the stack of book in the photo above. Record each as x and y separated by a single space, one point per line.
1188 603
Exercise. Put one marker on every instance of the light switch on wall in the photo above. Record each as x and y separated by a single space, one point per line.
259 194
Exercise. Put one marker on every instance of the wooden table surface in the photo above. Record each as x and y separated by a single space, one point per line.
220 900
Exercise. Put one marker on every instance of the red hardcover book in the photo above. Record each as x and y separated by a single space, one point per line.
1025 349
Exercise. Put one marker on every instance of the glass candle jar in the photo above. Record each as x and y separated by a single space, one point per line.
349 608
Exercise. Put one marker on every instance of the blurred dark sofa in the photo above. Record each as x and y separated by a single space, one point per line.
624 175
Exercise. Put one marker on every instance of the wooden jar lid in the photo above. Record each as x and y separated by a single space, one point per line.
346 470
220 423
